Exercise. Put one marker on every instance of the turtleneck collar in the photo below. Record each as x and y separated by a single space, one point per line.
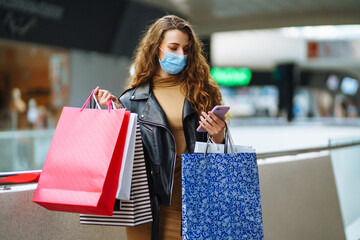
160 82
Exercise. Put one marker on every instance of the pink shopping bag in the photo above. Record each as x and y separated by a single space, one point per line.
82 167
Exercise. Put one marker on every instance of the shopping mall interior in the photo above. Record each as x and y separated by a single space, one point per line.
289 70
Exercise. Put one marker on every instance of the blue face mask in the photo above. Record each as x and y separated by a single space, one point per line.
173 63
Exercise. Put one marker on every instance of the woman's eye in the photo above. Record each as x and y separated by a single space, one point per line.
174 49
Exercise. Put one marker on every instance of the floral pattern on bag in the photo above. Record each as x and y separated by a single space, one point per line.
221 197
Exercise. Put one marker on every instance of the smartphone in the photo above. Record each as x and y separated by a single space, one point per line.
219 111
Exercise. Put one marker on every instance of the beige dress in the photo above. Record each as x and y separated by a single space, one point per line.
168 94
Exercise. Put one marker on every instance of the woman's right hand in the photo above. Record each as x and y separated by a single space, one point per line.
103 96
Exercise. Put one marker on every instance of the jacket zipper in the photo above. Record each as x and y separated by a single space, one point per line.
172 179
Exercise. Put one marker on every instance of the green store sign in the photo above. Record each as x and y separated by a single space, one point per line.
231 77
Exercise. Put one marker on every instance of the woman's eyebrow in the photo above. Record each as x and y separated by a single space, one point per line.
175 43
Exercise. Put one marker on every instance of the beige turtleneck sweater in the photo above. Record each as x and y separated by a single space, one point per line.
168 93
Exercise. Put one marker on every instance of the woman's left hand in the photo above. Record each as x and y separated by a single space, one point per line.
213 125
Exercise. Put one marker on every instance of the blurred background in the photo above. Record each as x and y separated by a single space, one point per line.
289 70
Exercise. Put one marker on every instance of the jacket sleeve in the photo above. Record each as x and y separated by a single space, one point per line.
202 137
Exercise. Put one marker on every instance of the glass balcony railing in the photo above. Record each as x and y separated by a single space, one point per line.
24 150
346 167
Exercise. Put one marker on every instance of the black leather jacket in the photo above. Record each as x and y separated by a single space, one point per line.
159 142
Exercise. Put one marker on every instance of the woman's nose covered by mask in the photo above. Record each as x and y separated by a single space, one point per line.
173 63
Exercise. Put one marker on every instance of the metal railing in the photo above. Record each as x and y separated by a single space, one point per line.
259 156
305 150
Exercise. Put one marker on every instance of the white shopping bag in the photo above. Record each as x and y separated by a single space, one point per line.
200 147
211 147
123 191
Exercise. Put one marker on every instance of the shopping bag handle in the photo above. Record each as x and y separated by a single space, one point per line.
228 142
111 104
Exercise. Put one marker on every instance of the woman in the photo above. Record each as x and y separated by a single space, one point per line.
170 90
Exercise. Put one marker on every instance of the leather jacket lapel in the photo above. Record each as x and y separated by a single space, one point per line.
141 92
152 111
187 110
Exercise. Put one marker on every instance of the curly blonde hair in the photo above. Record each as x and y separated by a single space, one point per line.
200 88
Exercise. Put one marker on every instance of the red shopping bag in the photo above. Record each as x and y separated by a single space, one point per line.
21 178
82 167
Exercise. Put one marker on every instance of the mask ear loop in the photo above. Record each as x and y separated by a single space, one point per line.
164 55
161 50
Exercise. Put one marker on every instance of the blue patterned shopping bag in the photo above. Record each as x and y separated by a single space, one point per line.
221 196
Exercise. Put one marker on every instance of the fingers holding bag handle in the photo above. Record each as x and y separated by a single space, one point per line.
103 96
